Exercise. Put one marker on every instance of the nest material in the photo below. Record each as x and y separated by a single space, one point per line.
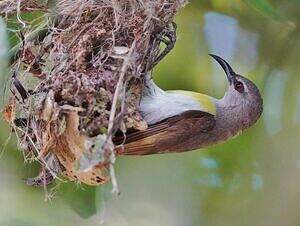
79 78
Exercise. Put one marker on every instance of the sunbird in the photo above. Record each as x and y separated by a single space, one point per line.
181 121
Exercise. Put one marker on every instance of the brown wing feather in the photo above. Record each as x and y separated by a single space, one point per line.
170 135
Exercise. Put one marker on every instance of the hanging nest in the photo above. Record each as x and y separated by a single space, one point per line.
77 77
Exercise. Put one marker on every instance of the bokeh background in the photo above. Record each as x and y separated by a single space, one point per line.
253 179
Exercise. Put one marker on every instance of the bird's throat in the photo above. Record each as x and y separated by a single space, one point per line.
228 121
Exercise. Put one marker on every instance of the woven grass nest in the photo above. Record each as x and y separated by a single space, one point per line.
76 80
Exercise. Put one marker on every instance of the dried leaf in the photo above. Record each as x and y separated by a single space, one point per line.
69 149
8 112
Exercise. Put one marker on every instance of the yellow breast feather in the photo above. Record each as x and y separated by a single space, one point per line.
205 101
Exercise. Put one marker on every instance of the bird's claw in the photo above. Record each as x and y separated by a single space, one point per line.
168 37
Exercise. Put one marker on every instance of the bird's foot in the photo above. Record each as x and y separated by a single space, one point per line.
168 37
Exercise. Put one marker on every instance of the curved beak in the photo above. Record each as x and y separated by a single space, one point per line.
226 67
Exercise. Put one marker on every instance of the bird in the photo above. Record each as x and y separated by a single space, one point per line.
180 121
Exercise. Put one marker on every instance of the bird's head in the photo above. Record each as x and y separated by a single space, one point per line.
242 98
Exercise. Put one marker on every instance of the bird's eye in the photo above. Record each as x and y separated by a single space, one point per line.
239 87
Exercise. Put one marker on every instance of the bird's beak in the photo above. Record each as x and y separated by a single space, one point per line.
226 67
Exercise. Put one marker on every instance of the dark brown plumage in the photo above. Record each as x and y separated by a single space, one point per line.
174 134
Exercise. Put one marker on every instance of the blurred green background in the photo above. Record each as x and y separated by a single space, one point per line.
251 180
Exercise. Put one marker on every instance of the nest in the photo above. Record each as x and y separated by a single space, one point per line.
77 77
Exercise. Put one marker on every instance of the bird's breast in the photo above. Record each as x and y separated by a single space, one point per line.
161 105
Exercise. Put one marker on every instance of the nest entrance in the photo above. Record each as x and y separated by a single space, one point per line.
77 79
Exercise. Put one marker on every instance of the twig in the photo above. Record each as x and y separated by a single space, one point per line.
8 7
18 14
112 115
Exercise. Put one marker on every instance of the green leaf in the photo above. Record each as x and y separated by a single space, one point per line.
3 60
266 8
81 198
3 40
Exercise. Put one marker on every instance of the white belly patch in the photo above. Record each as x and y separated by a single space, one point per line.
160 105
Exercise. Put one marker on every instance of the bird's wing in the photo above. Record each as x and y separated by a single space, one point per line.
174 134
